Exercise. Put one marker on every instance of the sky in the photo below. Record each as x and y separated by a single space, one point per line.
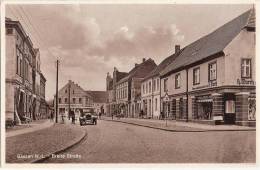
91 39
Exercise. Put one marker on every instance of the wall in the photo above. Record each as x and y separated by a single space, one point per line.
204 71
246 41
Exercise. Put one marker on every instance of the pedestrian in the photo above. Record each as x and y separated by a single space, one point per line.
72 117
99 115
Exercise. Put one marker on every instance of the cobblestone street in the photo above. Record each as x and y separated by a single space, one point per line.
115 142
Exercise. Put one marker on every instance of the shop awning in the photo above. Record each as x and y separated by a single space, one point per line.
204 100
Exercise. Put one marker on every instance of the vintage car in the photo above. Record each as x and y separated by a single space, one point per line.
88 118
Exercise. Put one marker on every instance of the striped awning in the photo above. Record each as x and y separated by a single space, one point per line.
204 100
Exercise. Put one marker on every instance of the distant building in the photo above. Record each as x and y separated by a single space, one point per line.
99 101
213 78
74 98
22 76
111 90
128 89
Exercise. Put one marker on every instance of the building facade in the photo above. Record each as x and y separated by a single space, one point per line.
212 80
99 101
150 88
21 86
73 98
111 91
128 89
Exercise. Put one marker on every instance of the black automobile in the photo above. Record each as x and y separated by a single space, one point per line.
88 118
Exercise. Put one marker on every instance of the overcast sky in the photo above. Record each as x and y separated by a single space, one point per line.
92 39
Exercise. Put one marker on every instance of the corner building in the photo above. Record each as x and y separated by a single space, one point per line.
212 80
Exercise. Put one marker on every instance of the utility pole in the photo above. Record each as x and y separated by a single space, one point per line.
57 97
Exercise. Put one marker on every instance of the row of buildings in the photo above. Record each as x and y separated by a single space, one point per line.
74 98
24 80
210 80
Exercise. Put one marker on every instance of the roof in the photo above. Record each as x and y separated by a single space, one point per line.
210 44
99 96
140 70
161 66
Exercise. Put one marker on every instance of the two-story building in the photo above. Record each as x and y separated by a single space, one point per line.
71 97
213 79
128 89
150 88
20 74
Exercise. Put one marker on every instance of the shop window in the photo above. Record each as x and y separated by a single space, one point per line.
165 85
196 76
177 81
212 71
246 68
251 109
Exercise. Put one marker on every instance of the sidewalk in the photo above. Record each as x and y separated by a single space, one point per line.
173 125
37 145
27 128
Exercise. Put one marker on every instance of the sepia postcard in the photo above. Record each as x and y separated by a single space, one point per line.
142 83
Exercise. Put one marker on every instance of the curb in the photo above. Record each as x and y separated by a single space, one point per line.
73 143
171 130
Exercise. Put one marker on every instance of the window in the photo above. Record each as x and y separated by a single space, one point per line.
21 68
66 91
212 71
150 87
177 81
66 100
143 88
165 85
72 91
155 104
59 100
146 88
17 61
74 100
158 84
196 76
246 68
154 85
80 100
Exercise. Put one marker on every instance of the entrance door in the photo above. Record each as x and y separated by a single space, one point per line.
230 114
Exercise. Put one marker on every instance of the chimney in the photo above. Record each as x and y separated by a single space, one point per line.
177 49
143 59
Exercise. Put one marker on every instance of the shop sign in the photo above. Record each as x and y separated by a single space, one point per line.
211 84
251 109
245 82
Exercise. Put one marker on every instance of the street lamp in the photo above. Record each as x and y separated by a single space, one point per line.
166 99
